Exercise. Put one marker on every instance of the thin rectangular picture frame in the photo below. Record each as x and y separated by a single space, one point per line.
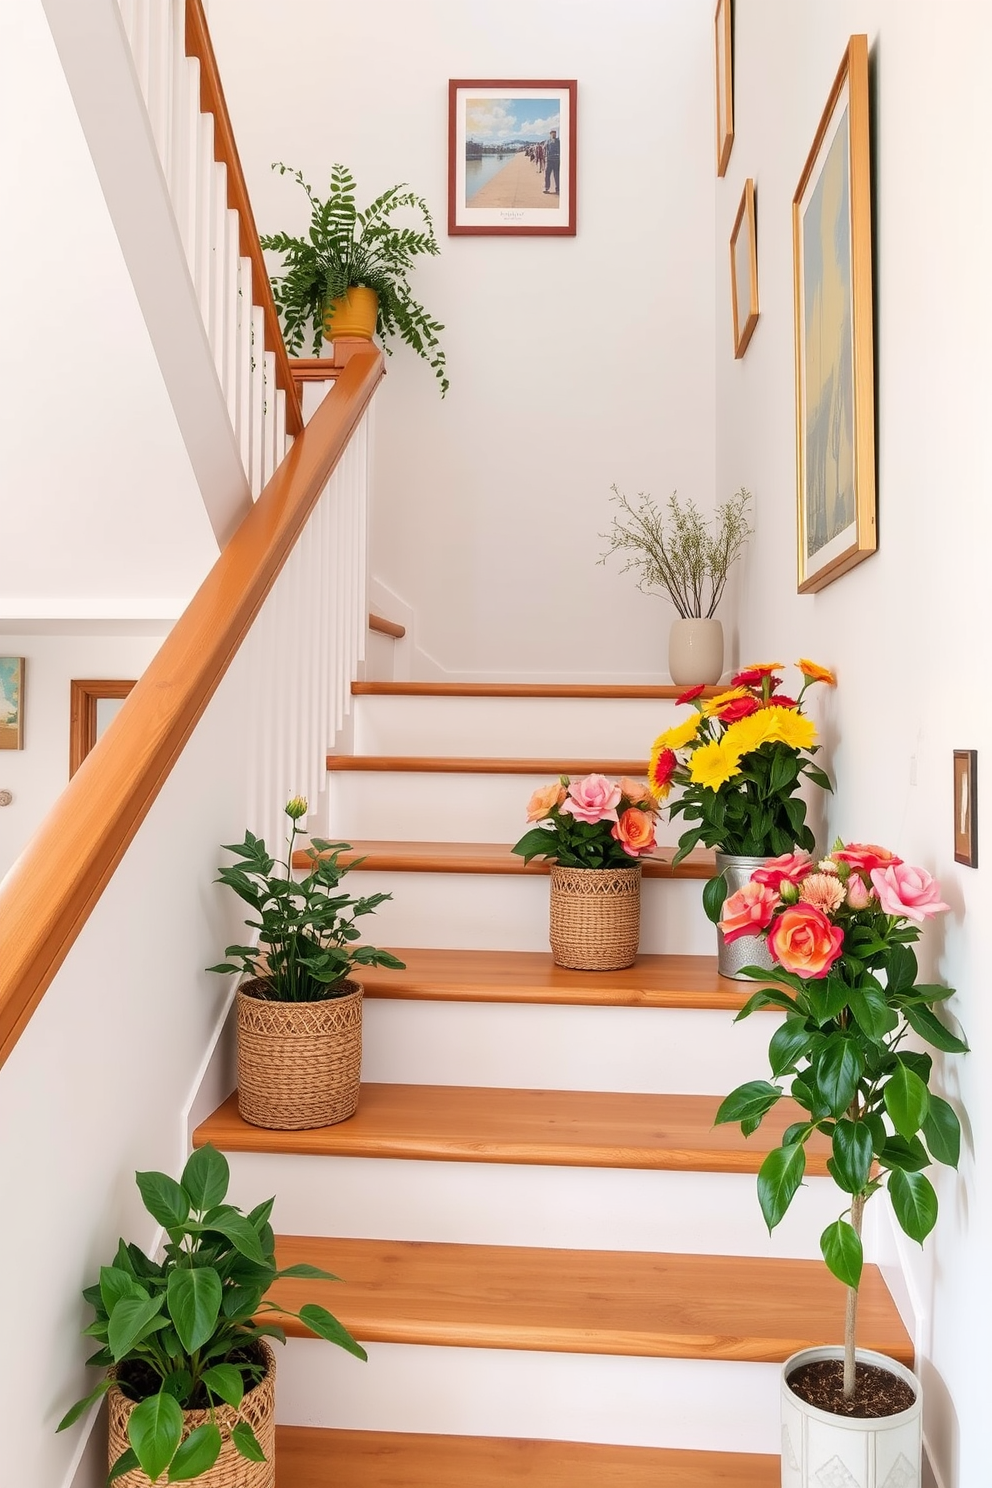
84 695
12 735
858 539
512 221
723 37
744 240
966 807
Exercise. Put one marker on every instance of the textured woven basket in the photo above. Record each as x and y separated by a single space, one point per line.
595 917
231 1470
299 1063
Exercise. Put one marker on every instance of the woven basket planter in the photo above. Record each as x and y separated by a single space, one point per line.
595 917
299 1063
231 1470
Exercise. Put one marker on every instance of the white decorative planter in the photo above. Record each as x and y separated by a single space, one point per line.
821 1450
695 652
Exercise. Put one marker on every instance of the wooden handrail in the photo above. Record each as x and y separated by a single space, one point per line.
387 627
212 101
62 873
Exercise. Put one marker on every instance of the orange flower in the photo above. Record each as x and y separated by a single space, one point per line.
804 941
544 799
636 792
752 675
816 673
635 832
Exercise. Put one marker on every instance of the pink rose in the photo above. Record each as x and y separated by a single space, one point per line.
859 894
803 940
592 799
635 832
908 891
748 911
865 856
790 868
544 799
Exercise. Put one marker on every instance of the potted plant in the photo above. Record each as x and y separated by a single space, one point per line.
840 934
595 831
299 1013
348 276
191 1377
680 556
740 759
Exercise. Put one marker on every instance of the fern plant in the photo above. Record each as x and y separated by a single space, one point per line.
344 248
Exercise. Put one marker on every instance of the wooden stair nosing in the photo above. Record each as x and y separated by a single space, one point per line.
547 1128
654 981
439 764
489 858
314 1457
631 1303
523 690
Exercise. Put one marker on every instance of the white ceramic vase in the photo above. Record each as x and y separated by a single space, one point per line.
695 652
820 1448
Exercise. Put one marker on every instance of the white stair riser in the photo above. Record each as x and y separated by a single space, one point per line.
674 1051
576 728
697 1404
421 806
468 1203
509 912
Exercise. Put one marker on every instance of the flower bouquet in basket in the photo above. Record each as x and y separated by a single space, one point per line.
595 831
738 761
840 933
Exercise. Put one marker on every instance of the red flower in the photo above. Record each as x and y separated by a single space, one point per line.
753 676
739 708
791 868
864 856
660 773
690 694
781 702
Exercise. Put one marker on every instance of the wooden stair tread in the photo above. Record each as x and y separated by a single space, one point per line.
520 690
584 1301
309 1457
440 764
490 857
560 1128
436 975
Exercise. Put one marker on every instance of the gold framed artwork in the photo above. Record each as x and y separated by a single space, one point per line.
11 702
835 373
92 704
722 22
744 270
966 807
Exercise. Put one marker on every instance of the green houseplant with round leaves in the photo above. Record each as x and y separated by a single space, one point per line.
182 1333
346 248
840 933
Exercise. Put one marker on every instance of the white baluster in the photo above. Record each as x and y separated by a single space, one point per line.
269 457
257 399
242 424
160 81
231 291
218 264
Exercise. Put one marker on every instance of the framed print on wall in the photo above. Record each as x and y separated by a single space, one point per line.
835 373
744 270
722 22
11 702
966 807
92 705
511 158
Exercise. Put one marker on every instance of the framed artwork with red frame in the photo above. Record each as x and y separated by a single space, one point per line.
511 157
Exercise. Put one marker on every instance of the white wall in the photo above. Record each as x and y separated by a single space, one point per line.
574 362
99 510
907 629
36 774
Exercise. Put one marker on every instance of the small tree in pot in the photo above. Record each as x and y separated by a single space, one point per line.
840 934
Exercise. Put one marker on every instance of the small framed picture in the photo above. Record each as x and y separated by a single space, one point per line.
744 270
92 706
511 157
966 807
11 702
722 22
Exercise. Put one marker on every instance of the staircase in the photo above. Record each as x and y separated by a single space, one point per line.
558 1265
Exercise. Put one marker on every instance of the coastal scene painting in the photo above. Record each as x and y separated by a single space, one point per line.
11 702
511 161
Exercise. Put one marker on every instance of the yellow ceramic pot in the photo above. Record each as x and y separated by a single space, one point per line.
354 315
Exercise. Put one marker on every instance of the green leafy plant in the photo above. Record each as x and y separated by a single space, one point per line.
840 934
678 553
182 1333
306 930
346 247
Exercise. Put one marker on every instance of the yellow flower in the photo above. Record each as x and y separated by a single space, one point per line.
714 704
816 673
750 733
714 764
296 807
792 728
679 735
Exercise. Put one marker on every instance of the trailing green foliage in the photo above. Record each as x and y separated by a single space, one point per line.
306 930
345 247
187 1326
